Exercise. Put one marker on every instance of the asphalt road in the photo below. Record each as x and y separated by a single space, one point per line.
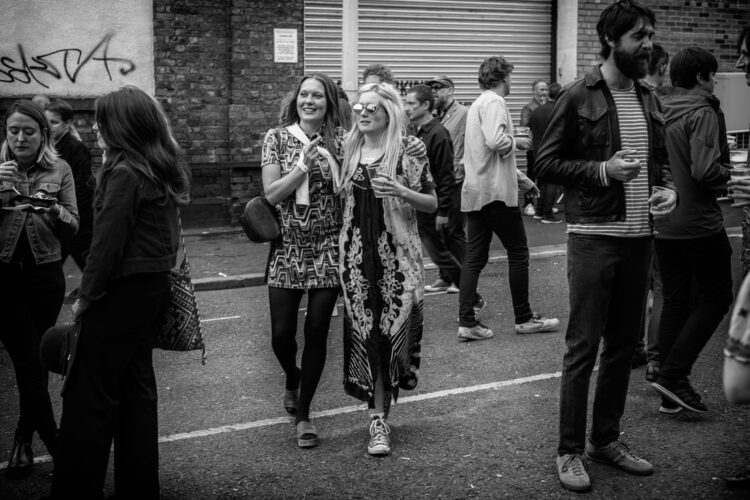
481 424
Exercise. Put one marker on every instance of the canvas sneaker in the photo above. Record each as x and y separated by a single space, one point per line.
571 470
551 219
669 407
537 324
440 285
380 441
681 393
479 305
476 332
452 289
618 454
652 370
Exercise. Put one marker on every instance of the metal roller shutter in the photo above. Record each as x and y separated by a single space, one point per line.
418 39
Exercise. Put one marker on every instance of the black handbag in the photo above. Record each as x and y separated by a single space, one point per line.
180 327
260 221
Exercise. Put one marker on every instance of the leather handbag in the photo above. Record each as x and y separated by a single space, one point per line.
260 221
180 327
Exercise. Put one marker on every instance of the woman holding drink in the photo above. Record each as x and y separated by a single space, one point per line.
38 208
381 257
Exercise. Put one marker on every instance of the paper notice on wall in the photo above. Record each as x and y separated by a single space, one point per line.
284 45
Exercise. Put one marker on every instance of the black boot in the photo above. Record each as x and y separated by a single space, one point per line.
21 458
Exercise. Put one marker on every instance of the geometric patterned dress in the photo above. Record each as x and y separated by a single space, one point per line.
306 253
383 284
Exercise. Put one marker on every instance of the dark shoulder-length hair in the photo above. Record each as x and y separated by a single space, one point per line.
46 155
289 115
137 133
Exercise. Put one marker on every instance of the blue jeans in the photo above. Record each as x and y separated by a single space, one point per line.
507 224
699 267
608 281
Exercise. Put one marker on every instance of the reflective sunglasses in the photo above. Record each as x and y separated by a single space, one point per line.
371 109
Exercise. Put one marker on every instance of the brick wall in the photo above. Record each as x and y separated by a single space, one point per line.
713 25
218 82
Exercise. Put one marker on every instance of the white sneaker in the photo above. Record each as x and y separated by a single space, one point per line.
452 289
439 285
476 332
537 324
380 442
529 210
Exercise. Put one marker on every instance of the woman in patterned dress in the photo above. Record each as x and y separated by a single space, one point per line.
381 257
299 179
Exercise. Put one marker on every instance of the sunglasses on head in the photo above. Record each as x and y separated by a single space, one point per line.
371 109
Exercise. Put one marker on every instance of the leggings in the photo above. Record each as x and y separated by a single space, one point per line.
284 304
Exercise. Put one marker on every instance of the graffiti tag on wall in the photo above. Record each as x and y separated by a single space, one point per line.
61 64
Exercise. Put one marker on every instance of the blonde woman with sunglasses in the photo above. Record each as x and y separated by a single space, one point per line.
381 256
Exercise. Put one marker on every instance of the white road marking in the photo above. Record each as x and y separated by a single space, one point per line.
223 318
338 411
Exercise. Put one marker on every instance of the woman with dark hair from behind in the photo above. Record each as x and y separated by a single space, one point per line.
60 116
110 390
32 283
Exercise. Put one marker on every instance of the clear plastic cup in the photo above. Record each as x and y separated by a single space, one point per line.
372 172
738 173
658 194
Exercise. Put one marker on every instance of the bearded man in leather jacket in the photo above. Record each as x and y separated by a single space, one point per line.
605 145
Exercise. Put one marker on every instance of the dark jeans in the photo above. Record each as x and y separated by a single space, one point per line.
546 201
78 246
30 300
608 280
648 339
111 393
703 263
507 224
436 247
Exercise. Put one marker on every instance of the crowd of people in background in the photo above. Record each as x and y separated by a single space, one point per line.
361 189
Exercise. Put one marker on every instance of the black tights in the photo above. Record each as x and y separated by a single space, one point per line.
284 304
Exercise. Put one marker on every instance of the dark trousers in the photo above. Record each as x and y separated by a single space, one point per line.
546 201
111 393
78 246
446 248
648 340
30 300
507 224
607 279
686 326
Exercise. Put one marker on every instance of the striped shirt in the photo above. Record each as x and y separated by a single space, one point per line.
633 135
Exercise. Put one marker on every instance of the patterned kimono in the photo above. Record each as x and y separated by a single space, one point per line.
306 254
383 283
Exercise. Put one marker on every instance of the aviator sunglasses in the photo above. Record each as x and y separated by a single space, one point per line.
371 109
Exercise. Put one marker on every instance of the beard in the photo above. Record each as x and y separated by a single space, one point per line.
633 66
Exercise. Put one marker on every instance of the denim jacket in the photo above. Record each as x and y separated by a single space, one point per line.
44 230
582 133
135 230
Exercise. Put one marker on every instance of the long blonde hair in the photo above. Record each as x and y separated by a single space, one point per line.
393 135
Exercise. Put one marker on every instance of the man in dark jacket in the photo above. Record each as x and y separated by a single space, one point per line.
538 124
692 246
419 102
604 144
60 116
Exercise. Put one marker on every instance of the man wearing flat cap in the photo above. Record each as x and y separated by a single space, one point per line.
452 116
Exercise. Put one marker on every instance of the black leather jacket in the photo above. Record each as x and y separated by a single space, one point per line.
582 133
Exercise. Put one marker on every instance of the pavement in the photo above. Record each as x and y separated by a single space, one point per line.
482 422
223 258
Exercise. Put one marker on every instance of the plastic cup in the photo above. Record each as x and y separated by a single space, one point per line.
739 173
658 194
372 172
